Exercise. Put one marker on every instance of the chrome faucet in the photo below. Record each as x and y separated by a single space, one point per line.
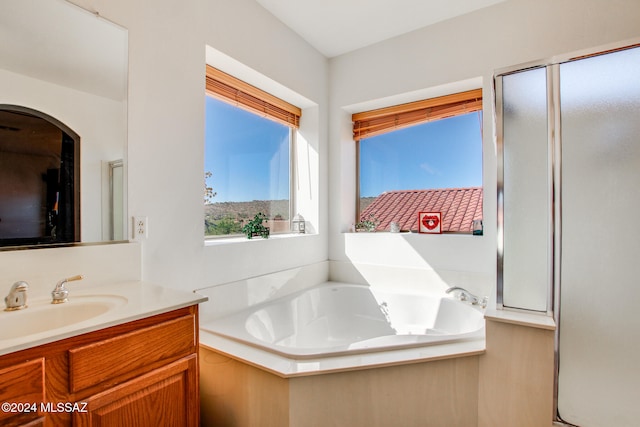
465 295
17 298
60 293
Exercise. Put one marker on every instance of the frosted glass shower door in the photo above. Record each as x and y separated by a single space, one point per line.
599 373
526 183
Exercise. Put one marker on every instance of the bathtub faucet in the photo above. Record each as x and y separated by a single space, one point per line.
465 295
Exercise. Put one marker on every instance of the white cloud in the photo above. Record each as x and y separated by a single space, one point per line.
429 169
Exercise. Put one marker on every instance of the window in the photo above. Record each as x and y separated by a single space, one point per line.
248 143
425 156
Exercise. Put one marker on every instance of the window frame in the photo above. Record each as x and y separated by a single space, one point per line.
370 123
239 94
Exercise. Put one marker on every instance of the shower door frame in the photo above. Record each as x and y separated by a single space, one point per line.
554 164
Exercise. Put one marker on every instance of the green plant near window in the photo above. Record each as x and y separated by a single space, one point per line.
255 227
369 224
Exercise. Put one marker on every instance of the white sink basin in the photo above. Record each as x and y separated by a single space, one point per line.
41 316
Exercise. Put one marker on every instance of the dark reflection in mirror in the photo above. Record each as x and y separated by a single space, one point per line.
39 179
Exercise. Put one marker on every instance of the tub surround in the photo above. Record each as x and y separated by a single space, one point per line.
508 384
515 385
335 318
279 338
425 280
501 380
232 297
285 367
237 394
522 318
244 384
242 296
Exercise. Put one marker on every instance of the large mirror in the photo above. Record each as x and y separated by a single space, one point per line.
63 77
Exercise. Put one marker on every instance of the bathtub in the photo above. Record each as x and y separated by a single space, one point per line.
338 319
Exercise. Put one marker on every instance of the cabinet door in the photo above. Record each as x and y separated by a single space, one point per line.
21 391
167 396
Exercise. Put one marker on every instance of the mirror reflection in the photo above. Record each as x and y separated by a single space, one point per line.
38 186
63 67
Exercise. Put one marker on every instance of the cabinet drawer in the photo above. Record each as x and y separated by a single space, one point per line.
123 357
22 384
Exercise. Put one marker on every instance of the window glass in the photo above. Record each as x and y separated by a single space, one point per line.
433 166
247 169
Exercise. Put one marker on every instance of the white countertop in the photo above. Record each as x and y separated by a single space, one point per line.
134 300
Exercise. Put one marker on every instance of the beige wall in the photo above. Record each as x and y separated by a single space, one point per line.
516 376
441 393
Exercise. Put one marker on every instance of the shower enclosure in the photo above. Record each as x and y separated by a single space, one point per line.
568 225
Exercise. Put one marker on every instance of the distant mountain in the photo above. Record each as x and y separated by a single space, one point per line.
365 202
242 210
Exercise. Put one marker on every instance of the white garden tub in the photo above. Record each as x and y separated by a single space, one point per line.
336 319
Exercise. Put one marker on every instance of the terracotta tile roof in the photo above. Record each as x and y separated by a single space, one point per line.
459 207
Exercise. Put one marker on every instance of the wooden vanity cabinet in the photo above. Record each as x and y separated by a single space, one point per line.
21 383
141 373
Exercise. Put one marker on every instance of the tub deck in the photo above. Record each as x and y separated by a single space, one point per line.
335 327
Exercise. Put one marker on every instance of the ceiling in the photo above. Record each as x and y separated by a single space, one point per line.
335 27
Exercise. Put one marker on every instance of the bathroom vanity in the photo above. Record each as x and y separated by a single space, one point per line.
136 364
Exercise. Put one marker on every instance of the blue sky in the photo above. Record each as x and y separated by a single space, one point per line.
249 156
442 154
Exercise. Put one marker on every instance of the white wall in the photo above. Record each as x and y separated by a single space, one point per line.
463 48
43 268
166 119
167 42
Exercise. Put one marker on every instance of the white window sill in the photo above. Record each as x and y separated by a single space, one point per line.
242 239
408 233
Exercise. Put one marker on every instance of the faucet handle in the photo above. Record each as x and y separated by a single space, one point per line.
60 293
465 295
72 278
20 286
484 301
17 298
